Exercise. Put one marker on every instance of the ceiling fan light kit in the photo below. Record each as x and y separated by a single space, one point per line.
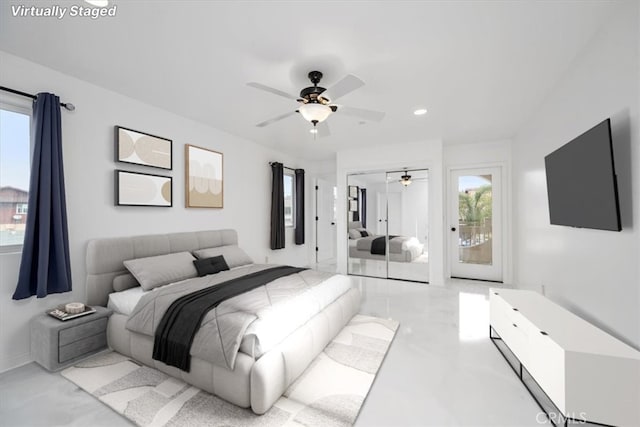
405 179
315 102
315 113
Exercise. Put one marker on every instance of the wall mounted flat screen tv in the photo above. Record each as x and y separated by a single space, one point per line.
581 182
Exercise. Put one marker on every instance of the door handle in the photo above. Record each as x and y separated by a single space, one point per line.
333 223
453 229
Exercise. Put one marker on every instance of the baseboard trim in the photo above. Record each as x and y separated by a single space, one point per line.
9 363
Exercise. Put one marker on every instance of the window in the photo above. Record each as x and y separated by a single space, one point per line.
15 168
289 199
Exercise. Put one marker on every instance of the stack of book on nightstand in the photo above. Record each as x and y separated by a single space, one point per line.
60 312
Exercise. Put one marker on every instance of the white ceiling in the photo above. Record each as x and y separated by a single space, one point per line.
480 67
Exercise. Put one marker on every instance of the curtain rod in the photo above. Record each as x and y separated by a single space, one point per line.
286 167
67 105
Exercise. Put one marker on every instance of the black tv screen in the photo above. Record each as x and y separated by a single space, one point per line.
581 182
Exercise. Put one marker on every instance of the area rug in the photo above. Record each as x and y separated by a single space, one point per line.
330 392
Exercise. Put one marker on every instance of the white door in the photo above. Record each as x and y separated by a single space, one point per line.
325 221
475 223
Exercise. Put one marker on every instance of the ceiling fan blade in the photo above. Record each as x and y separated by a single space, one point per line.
370 115
348 84
323 130
272 90
275 119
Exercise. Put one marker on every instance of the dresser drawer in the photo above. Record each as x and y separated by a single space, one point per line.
82 347
84 330
512 334
547 366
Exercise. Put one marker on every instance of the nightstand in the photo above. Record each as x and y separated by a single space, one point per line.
56 344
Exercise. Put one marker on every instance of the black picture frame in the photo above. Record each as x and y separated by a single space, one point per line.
125 152
136 186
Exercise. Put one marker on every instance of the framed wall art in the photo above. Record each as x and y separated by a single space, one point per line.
140 148
353 191
142 189
204 178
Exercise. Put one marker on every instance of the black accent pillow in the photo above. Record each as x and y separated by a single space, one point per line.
211 265
364 234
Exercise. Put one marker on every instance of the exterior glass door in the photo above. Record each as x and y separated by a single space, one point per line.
476 224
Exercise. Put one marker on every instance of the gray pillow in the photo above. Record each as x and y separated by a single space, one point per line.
161 270
233 255
354 234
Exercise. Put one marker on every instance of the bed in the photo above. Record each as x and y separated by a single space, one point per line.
276 329
366 245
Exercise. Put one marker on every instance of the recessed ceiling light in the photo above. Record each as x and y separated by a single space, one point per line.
313 130
420 112
98 3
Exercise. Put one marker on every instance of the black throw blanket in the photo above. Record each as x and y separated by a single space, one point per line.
379 245
178 327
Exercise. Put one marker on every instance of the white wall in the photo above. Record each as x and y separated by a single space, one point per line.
415 209
593 273
89 174
417 155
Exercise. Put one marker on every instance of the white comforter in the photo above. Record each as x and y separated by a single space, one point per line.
253 322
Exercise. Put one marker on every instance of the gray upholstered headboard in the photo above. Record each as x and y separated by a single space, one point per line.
354 224
105 257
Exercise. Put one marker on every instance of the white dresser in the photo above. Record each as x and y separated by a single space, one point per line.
588 374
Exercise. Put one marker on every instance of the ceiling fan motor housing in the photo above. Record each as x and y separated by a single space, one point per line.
312 93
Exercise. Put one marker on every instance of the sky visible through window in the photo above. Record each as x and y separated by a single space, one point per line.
14 150
14 173
472 182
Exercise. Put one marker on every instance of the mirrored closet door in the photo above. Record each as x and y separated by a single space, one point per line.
388 224
367 222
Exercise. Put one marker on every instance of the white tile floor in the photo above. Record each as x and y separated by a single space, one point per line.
441 370
417 271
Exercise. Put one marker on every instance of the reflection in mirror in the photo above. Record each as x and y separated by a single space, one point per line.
408 224
367 218
393 204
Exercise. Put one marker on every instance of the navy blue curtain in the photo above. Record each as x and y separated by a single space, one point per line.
45 267
299 207
277 206
363 207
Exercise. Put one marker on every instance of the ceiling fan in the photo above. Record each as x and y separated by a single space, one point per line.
406 179
316 102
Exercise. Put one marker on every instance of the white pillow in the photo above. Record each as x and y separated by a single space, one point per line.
354 234
161 270
124 302
233 255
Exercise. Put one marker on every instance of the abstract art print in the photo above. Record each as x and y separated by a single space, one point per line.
141 189
204 178
141 148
